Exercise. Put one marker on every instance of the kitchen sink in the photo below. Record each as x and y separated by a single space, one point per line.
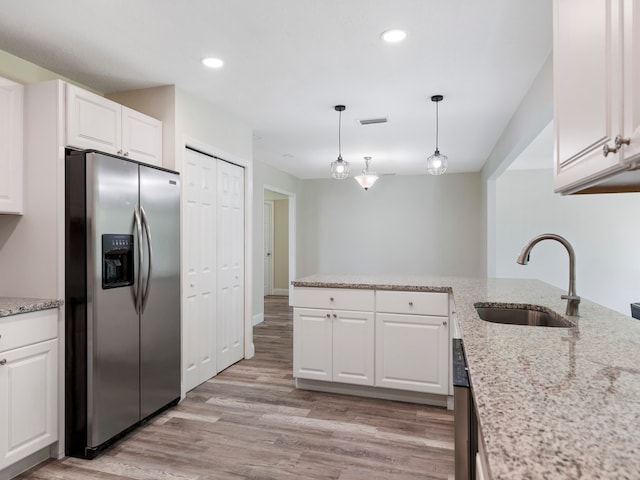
521 316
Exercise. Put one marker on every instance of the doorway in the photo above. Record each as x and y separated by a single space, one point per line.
276 243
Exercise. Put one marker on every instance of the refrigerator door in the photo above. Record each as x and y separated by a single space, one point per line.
160 319
113 399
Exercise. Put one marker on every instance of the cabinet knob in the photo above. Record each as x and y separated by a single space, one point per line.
3 361
606 150
331 299
126 154
411 304
620 140
119 152
444 322
335 315
328 315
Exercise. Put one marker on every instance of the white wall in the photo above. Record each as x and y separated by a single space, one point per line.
533 114
603 229
403 225
264 175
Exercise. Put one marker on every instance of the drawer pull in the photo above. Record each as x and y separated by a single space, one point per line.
331 299
411 304
3 361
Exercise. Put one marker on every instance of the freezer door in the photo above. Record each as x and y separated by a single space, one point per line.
113 398
160 320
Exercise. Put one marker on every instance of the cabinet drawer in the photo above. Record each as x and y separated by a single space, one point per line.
28 328
419 303
333 298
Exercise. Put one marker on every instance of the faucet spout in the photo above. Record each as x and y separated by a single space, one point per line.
573 300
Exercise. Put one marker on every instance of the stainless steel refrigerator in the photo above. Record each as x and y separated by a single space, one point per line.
122 297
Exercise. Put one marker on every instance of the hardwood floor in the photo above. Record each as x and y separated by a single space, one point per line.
249 422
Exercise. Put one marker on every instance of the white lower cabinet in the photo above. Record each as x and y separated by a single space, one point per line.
400 343
333 345
28 385
412 352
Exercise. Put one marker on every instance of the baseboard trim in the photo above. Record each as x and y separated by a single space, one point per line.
25 464
373 392
257 318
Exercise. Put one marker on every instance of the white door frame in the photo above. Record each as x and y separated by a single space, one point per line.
269 260
292 233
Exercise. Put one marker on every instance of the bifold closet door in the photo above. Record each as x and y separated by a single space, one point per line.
199 182
230 265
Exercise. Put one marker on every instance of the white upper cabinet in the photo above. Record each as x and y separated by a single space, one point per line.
11 162
95 122
141 137
596 89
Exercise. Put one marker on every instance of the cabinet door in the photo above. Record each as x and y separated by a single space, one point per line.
412 352
28 400
587 90
631 79
199 269
93 122
11 162
353 347
141 137
312 344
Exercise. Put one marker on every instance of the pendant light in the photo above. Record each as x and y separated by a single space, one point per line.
339 168
367 178
437 163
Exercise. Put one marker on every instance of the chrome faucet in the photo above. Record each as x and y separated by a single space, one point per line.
572 299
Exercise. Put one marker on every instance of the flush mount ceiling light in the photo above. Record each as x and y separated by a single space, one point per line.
367 178
393 35
339 168
212 62
437 163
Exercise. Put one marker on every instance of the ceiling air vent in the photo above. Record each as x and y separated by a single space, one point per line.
371 121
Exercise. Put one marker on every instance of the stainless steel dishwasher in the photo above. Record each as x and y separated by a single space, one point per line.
464 416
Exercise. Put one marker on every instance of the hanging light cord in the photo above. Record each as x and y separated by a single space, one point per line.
437 126
339 130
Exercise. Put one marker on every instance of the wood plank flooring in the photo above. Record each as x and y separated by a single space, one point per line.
249 422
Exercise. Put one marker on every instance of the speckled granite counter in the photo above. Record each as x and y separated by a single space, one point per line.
553 403
16 305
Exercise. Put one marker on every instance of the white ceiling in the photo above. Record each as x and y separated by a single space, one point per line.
288 62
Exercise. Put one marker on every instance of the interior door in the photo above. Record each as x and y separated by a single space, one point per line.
160 316
268 247
230 265
199 281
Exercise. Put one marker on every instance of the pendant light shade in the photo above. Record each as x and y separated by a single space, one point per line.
339 167
367 178
437 163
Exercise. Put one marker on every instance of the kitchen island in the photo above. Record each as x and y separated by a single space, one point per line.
553 403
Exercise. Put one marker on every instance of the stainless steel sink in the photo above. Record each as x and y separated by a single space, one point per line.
521 316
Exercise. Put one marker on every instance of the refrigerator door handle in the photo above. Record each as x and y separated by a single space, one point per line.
147 231
138 294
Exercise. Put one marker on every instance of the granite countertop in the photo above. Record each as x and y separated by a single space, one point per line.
17 305
553 403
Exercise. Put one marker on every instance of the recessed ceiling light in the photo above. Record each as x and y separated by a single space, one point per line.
212 62
393 36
